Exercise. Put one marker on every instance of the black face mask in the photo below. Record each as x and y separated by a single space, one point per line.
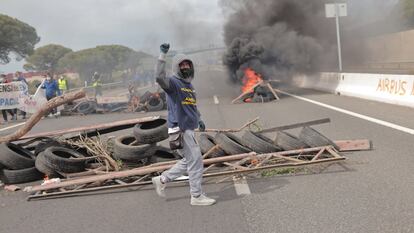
187 73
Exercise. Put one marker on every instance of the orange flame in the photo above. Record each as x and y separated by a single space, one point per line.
250 79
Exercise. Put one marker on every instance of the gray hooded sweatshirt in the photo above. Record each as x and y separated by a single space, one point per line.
181 97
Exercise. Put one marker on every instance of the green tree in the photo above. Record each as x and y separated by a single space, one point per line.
103 59
16 37
46 57
407 7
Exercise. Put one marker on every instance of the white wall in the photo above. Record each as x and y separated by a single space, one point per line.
393 89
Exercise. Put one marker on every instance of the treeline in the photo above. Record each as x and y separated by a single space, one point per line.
19 38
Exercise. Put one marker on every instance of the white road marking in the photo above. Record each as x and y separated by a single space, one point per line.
241 186
216 100
12 126
354 114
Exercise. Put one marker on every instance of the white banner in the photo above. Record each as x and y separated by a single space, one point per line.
16 95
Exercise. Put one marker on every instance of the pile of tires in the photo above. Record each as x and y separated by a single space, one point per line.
17 164
56 160
231 144
142 145
48 157
152 102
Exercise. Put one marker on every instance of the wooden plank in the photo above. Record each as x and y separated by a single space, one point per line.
354 145
231 130
273 91
247 92
216 147
151 169
297 125
223 173
43 110
318 154
130 122
235 166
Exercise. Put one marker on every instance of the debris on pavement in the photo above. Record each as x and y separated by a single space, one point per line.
12 188
80 160
147 102
255 89
86 163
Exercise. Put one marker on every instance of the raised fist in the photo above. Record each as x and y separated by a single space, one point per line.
164 48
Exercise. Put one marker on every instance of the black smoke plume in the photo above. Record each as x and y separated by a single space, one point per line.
278 38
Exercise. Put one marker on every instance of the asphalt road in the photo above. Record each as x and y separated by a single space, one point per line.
371 191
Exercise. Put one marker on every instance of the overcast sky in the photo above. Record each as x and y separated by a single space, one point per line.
138 24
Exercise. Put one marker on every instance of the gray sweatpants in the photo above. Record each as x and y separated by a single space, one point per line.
192 163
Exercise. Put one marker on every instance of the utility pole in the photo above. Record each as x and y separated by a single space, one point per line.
337 10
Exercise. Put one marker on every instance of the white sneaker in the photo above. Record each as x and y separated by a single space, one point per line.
159 186
202 200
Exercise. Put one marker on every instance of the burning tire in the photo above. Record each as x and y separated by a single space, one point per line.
287 141
44 168
61 159
206 142
15 157
151 132
20 176
259 143
315 139
127 148
231 144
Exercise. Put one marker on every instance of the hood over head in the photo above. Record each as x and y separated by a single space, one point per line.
176 69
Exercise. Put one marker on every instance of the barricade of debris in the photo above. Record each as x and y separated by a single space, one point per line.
82 160
147 102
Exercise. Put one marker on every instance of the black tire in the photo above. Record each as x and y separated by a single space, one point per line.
155 104
315 139
42 165
59 159
231 144
287 141
126 148
145 97
86 107
151 132
162 154
44 144
20 176
206 142
259 143
15 157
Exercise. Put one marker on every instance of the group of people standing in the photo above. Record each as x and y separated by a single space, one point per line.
54 88
18 76
54 85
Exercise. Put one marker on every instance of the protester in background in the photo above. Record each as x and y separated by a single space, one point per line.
3 79
51 87
19 78
97 84
62 84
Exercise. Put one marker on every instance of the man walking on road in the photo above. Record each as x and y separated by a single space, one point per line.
183 118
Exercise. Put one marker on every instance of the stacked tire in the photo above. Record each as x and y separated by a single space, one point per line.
141 146
17 164
56 160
